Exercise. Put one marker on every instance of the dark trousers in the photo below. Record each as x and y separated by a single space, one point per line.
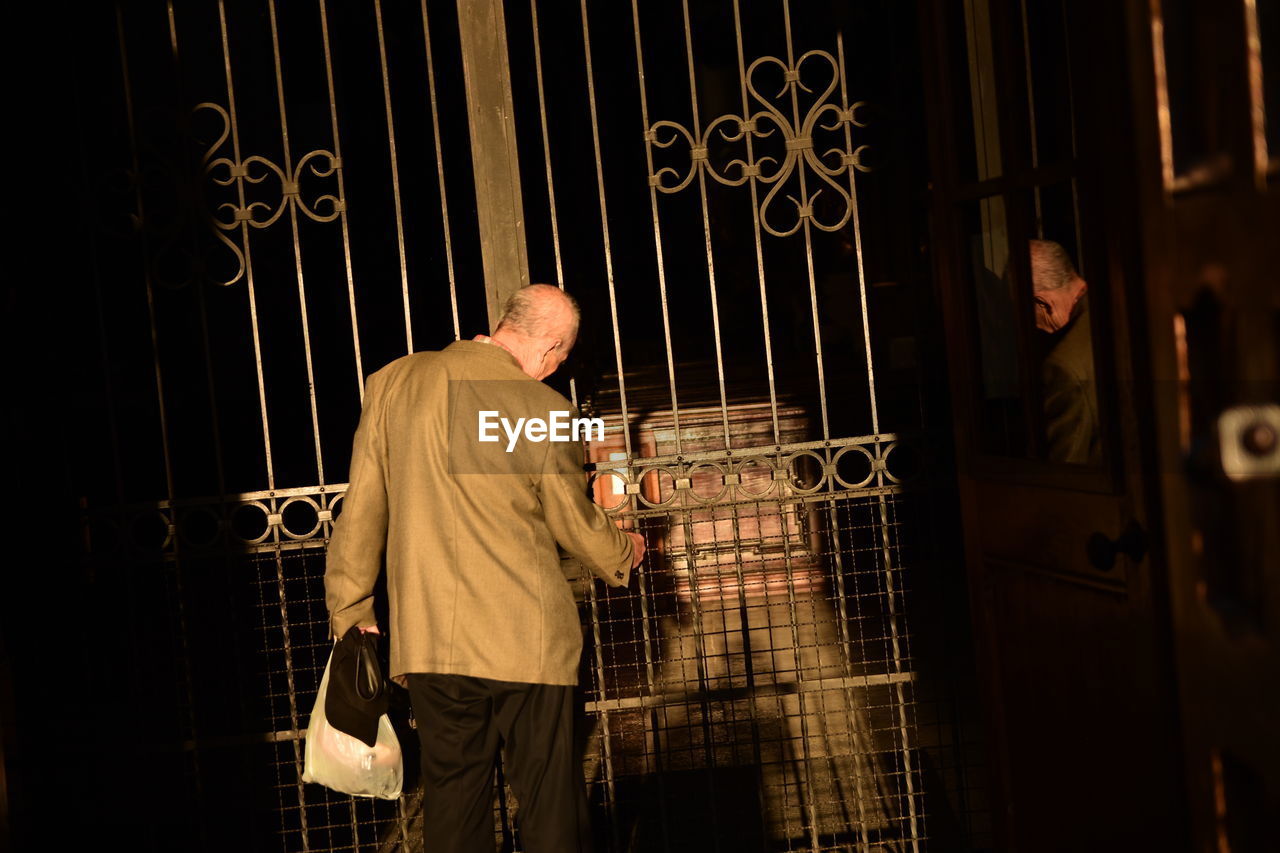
462 722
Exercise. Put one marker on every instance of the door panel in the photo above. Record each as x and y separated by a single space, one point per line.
1205 73
1069 602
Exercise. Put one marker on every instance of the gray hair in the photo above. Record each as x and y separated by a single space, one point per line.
1051 267
534 311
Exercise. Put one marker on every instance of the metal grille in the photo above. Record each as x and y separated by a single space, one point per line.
298 226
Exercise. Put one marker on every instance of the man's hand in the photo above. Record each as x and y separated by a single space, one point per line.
637 547
370 629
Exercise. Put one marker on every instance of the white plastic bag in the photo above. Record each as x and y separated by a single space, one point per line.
344 763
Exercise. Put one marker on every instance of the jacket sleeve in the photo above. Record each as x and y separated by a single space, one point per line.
359 539
580 526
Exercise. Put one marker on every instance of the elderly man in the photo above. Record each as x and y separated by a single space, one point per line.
484 630
1067 378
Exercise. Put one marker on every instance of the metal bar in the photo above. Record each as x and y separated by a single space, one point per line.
657 232
842 622
334 489
342 214
546 154
744 617
244 234
494 156
199 286
755 218
444 201
767 450
611 796
395 176
704 688
1163 120
646 631
604 225
807 230
297 246
857 245
136 180
1037 199
706 227
1257 104
904 728
807 791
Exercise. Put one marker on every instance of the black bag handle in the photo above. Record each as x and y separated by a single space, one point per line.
369 684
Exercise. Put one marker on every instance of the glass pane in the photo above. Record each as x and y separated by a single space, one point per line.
1063 341
1001 427
1048 350
974 76
1049 81
1199 84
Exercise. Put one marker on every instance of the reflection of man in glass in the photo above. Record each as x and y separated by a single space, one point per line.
1070 402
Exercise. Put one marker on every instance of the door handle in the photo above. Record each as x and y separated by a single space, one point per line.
1102 550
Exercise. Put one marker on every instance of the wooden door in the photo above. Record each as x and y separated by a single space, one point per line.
1034 162
1207 91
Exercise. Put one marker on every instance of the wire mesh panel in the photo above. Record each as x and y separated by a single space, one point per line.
293 210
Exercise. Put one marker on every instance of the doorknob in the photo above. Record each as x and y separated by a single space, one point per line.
1102 551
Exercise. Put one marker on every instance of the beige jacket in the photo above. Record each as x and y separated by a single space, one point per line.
468 531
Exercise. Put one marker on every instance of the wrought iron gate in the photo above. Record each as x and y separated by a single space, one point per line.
309 216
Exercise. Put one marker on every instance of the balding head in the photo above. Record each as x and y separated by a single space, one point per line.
541 311
1051 267
539 324
1056 285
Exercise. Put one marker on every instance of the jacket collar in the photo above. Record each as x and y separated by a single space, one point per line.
485 350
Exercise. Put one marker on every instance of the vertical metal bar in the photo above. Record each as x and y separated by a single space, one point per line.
244 235
262 400
198 286
1036 195
857 245
904 728
706 226
755 218
611 795
546 153
657 231
699 643
1163 120
294 716
136 180
852 718
808 235
297 246
604 226
342 213
1257 105
395 176
651 688
744 617
808 793
444 201
494 157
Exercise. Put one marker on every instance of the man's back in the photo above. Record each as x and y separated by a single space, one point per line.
469 527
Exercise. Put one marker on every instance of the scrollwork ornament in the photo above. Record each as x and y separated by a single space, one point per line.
802 159
256 171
